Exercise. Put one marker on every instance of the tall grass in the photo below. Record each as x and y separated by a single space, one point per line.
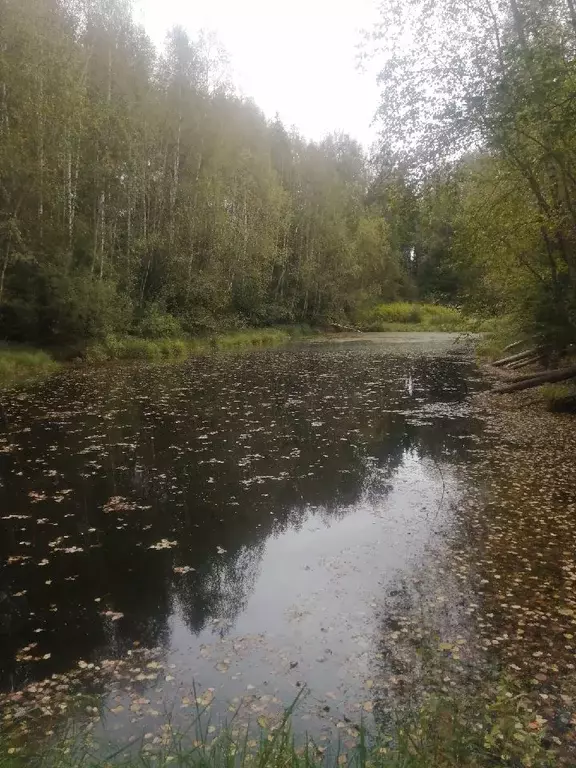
134 348
255 338
21 364
447 730
408 316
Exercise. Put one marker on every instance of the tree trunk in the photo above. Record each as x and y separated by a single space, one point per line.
572 9
515 358
525 363
102 230
3 273
175 183
41 159
527 382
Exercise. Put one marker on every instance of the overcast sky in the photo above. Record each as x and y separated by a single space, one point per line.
294 57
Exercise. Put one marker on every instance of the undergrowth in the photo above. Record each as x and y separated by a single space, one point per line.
21 364
498 333
407 316
447 730
559 398
135 348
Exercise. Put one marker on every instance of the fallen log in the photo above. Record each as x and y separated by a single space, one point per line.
514 358
524 363
339 327
547 377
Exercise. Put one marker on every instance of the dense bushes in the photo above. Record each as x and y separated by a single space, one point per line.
412 316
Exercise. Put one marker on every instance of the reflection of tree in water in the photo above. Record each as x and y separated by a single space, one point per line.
425 608
223 452
221 589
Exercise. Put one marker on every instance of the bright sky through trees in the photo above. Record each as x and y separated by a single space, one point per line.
296 58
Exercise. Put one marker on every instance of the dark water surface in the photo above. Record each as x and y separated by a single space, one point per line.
246 515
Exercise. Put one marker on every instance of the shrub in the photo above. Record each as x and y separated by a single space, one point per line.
173 348
413 316
18 364
155 324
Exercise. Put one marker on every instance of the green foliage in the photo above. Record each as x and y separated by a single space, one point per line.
137 348
498 332
257 338
559 398
480 143
133 348
155 324
139 194
17 364
413 316
444 731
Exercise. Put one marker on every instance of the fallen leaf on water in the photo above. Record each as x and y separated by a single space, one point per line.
163 544
112 615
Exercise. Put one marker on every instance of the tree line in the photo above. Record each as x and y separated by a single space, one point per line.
140 194
478 153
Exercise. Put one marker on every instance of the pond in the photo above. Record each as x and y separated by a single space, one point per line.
238 525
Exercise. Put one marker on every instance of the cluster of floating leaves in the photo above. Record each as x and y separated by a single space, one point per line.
517 554
496 600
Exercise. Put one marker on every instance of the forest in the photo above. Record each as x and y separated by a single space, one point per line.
478 120
139 194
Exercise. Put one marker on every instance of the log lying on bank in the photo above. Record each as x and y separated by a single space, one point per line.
532 352
338 327
524 363
536 380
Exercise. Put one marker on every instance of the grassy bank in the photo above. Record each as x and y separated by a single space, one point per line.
446 731
134 348
23 364
19 364
407 316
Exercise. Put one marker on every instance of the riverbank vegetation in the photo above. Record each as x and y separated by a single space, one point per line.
448 730
21 364
137 348
411 316
477 165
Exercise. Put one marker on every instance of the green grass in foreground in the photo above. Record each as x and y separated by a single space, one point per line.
134 348
408 316
21 364
448 730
